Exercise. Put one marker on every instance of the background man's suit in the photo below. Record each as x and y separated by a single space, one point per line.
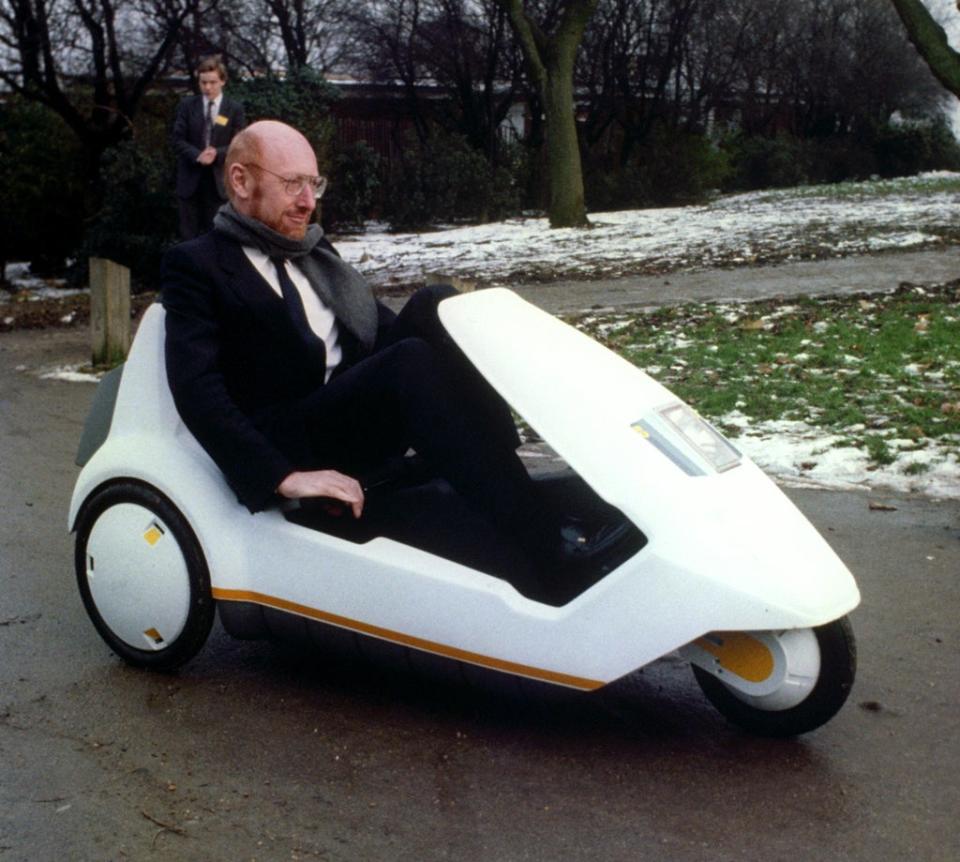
200 188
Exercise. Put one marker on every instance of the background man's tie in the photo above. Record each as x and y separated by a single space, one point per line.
208 125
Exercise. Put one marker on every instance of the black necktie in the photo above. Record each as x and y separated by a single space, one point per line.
291 297
208 125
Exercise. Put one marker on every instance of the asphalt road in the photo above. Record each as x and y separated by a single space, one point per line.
258 751
873 273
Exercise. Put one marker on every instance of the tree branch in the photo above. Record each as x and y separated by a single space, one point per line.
532 39
930 39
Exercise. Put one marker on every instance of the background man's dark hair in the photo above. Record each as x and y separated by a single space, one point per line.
212 63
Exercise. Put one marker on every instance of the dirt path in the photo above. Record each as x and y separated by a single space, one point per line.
863 273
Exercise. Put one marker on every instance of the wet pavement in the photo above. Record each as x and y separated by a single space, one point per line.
874 273
259 751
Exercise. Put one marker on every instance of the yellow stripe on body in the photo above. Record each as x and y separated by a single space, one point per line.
409 640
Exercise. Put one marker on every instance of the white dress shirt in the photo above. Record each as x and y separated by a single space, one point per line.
216 107
321 319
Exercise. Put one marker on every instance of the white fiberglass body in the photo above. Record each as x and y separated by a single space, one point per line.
726 550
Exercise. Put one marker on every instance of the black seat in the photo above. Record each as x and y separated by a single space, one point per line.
405 503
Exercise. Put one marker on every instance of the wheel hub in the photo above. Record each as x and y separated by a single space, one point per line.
137 576
768 670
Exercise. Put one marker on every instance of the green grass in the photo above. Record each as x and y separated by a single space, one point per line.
921 185
882 372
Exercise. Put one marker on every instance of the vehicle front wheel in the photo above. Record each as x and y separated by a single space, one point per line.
142 576
777 683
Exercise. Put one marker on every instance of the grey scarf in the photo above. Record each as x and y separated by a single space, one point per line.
341 288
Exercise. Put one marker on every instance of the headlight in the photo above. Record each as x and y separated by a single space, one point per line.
685 429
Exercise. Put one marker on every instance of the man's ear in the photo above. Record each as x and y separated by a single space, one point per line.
240 180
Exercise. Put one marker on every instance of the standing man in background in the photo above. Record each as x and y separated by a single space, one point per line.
202 131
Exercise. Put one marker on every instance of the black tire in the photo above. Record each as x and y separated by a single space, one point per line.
200 606
838 665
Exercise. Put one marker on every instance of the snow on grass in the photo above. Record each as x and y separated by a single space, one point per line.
803 455
733 230
786 224
871 400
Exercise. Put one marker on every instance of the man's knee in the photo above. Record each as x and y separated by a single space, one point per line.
426 300
437 292
412 357
419 318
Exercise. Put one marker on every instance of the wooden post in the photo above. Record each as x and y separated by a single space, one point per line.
109 311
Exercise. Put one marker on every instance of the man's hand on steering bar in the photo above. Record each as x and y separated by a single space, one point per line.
323 483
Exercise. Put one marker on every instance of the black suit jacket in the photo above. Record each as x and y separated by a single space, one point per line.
237 367
187 139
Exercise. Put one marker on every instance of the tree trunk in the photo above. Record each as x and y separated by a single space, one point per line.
566 208
930 40
550 60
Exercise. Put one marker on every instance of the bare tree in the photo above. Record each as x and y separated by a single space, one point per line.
549 44
269 36
633 69
232 30
311 31
91 61
845 68
885 76
930 40
465 48
468 48
387 39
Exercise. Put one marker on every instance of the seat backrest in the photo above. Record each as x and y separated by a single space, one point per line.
144 402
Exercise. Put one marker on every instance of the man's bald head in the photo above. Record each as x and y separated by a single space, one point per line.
260 158
244 148
258 140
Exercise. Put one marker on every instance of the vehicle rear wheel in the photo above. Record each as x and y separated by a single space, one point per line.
803 676
142 576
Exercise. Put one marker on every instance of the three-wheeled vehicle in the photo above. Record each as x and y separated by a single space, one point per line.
726 570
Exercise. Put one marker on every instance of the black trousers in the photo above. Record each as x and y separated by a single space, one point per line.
198 210
417 390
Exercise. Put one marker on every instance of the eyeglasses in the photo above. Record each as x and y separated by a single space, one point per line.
294 186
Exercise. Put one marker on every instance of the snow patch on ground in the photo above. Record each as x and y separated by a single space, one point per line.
18 274
789 224
70 374
796 453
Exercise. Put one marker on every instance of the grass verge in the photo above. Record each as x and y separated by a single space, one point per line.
880 373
